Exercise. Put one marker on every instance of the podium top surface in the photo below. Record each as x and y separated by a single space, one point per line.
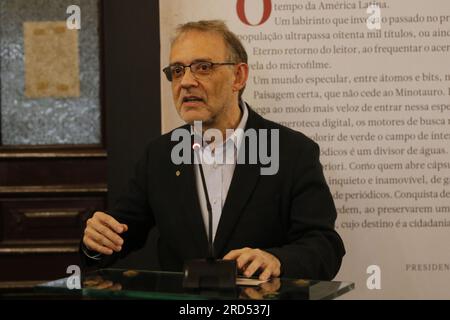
144 284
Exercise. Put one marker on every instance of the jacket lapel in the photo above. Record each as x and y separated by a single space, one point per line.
242 185
192 211
191 217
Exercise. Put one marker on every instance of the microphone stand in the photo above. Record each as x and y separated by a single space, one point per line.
208 207
209 273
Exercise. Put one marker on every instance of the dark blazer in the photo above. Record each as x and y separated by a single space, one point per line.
290 214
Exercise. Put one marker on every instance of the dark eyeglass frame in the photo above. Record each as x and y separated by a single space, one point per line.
168 70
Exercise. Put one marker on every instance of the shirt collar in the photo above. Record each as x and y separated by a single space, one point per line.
239 132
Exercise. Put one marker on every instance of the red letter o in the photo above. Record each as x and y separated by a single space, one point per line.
240 7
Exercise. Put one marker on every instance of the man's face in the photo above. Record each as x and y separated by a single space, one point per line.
205 98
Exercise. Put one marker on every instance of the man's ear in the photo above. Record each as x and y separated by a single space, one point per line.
241 76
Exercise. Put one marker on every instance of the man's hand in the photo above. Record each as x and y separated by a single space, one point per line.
251 260
102 233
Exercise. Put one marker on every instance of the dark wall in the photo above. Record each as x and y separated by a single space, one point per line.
132 93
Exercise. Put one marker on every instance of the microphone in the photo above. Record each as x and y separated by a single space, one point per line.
196 147
209 273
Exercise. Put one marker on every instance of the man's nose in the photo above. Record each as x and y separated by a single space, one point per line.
188 79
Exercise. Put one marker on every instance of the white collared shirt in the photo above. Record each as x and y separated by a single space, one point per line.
219 162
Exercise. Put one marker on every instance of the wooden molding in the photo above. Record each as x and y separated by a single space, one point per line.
16 153
19 284
38 250
50 214
39 243
53 189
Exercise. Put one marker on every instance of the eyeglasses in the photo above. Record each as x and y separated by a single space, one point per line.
200 68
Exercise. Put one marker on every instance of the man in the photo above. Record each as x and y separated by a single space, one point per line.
273 225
